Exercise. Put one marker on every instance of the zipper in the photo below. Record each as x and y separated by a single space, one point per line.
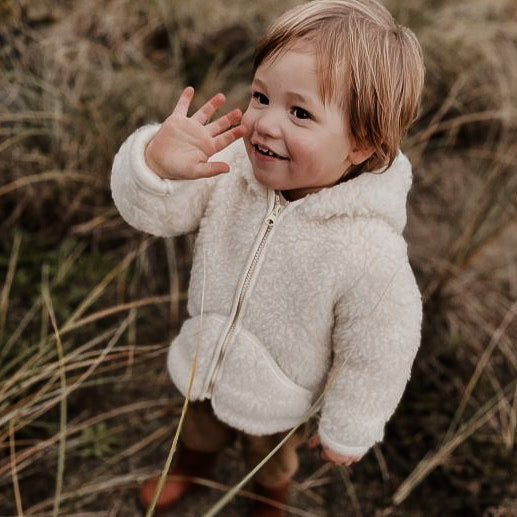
267 227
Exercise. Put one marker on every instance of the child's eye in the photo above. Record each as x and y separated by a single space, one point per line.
260 98
300 113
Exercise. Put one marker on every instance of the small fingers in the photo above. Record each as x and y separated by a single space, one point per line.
225 122
203 114
228 137
339 460
208 169
325 456
183 104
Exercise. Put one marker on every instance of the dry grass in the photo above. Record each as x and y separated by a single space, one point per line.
87 305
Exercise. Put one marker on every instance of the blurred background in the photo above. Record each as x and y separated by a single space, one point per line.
88 305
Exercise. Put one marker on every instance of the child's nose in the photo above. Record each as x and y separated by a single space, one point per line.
268 123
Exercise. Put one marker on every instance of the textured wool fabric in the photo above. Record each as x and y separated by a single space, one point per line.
331 304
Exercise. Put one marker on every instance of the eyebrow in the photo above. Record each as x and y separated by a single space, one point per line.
299 97
259 83
294 95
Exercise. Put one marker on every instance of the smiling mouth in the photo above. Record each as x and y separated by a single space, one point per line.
264 151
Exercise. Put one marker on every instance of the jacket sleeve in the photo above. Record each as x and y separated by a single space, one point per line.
376 336
152 204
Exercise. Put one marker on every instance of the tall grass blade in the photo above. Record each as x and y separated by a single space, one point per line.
96 292
4 296
172 450
434 459
481 365
63 402
44 177
219 505
64 269
350 489
14 474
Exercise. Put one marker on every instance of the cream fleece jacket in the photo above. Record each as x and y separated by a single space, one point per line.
297 297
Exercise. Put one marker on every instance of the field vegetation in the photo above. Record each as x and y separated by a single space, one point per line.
88 305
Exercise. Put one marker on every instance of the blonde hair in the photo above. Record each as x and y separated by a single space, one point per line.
367 63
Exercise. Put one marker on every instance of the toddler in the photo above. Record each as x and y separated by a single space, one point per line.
301 293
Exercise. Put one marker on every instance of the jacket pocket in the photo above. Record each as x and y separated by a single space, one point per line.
253 394
196 342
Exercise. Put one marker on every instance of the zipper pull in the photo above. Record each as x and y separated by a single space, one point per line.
277 207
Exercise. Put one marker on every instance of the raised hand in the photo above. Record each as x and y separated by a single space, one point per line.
182 146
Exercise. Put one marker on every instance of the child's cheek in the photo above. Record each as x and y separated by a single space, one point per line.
247 121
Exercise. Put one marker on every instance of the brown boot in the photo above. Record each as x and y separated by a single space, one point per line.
276 493
187 462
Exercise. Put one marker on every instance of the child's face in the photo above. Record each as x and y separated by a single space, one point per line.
286 116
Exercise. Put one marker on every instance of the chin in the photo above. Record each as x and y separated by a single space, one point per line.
265 182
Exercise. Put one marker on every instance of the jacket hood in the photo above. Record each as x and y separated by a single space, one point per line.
377 194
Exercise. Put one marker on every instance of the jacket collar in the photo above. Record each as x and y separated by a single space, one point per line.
378 194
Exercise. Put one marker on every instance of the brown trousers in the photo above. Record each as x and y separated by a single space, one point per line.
203 432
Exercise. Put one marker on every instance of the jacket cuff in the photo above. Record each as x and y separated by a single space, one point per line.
344 450
143 175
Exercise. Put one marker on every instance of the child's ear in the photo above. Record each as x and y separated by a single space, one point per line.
360 154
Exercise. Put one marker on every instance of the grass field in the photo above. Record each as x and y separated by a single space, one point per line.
88 305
